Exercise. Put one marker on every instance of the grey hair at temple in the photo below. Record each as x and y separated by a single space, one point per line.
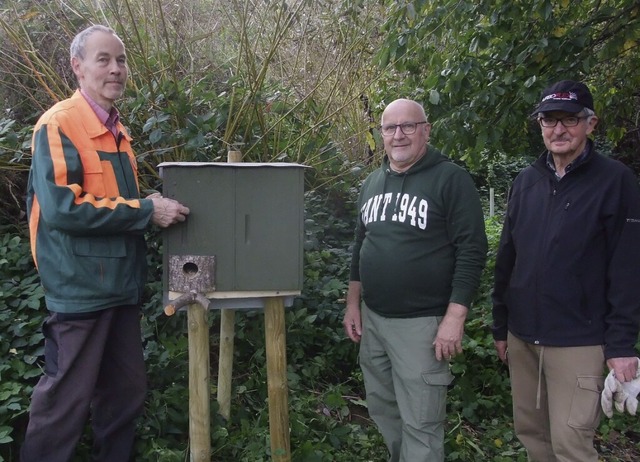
79 41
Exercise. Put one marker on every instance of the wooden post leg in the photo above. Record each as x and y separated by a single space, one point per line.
199 392
225 361
275 339
227 334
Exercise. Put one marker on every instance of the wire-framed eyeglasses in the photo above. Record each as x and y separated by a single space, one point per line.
570 121
408 128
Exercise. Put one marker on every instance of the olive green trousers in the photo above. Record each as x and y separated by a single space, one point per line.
406 386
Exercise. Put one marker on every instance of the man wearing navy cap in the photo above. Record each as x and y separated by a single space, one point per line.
566 299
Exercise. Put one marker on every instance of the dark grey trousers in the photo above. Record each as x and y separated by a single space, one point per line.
94 366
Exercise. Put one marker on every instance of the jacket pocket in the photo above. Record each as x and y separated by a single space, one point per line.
103 246
92 174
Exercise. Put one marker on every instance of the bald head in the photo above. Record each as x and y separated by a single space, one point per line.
407 106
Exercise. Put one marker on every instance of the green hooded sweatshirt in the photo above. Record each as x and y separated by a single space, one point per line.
420 238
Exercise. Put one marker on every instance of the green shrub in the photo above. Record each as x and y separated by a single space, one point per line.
21 346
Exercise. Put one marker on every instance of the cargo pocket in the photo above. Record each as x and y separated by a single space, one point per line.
585 404
434 396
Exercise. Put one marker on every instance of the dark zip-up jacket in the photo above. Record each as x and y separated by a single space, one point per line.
569 257
420 238
86 218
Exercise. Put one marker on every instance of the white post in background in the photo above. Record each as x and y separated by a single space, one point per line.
491 202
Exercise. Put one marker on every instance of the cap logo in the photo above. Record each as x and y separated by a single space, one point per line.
564 96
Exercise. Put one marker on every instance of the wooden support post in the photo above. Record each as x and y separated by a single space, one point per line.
275 339
234 156
492 201
199 391
225 361
227 334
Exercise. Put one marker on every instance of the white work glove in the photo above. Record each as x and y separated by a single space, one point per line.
622 395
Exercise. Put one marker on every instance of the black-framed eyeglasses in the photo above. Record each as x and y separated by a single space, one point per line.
408 128
570 121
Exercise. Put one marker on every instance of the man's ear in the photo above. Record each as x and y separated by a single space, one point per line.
75 66
593 122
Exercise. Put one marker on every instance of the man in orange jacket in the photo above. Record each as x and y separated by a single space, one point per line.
87 223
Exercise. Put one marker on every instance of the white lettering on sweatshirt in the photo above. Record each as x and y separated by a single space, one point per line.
407 209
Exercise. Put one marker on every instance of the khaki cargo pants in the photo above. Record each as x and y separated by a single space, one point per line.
406 386
556 399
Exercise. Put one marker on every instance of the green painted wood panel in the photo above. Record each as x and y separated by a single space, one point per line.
249 216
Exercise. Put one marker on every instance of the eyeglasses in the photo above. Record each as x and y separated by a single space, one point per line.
408 128
570 121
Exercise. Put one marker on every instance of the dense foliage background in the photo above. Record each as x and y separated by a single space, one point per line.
305 81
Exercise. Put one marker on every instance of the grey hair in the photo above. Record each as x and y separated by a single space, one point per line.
79 41
588 113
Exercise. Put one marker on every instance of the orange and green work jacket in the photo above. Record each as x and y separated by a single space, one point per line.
86 218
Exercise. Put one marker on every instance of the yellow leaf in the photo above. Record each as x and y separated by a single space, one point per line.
371 141
498 442
538 57
30 15
559 31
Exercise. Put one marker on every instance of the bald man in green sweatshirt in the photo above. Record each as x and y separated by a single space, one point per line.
419 251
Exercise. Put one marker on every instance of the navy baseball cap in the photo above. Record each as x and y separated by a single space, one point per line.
567 96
